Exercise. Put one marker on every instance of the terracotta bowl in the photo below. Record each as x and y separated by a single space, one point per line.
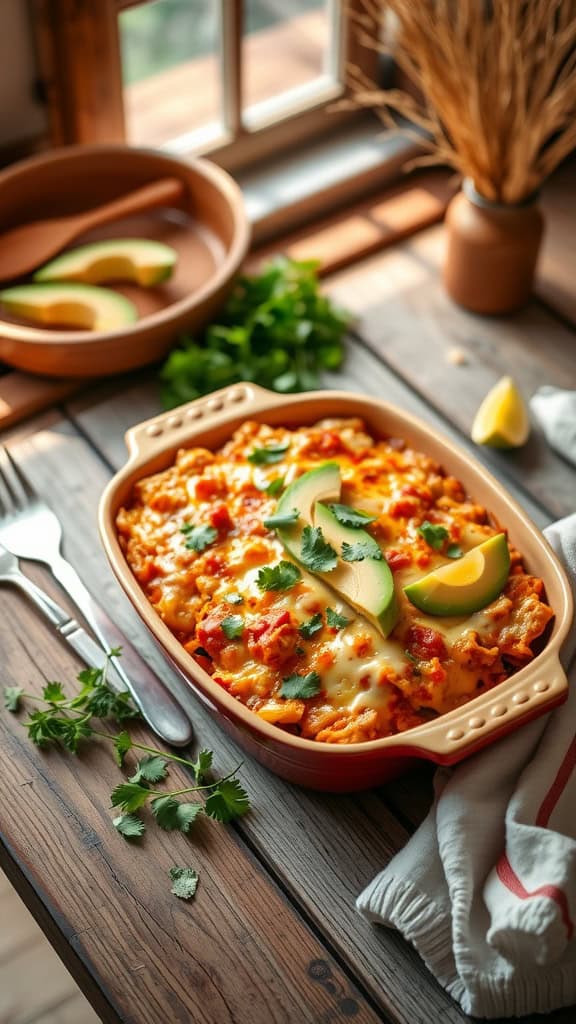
210 233
533 690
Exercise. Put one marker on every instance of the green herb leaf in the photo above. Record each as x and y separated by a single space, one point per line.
202 765
275 486
335 620
360 550
433 534
316 554
282 519
276 329
234 599
122 744
351 517
184 882
278 577
12 697
90 677
129 796
232 626
174 816
227 801
151 768
415 661
270 455
102 702
198 538
130 826
297 687
454 551
311 626
54 693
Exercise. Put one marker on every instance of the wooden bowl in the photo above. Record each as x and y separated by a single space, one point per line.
210 234
533 690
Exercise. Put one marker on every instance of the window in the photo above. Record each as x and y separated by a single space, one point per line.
239 79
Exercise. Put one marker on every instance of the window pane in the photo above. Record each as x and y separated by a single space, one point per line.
288 45
170 62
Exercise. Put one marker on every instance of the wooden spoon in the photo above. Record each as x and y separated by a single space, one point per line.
24 248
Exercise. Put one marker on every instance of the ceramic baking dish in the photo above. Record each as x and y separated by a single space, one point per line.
533 690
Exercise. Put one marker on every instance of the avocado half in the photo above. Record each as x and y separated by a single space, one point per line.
71 305
367 585
466 585
141 260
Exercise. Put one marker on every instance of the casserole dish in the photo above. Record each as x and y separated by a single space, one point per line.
537 688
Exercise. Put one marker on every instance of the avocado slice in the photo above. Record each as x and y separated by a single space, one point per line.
119 259
367 585
70 305
467 585
320 484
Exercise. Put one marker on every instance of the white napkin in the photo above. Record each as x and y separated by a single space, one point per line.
555 410
486 888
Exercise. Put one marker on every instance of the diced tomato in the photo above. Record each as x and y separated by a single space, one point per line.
220 519
330 443
215 565
257 629
209 633
425 643
207 487
273 639
221 682
397 559
404 508
419 491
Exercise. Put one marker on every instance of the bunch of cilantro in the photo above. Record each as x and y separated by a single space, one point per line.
276 329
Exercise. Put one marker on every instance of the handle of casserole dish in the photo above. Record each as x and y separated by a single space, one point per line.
497 712
173 427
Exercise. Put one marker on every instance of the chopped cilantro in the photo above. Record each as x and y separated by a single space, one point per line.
297 687
454 551
234 599
282 519
198 537
269 455
433 534
351 517
335 620
233 626
316 553
184 882
360 550
12 697
311 626
278 577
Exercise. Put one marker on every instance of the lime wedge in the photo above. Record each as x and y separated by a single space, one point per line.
502 420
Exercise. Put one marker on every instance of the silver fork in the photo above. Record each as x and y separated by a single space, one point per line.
30 529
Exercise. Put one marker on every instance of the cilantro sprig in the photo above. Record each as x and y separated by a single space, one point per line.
269 455
297 687
198 538
283 576
316 553
279 519
336 621
69 722
311 626
361 549
276 329
351 517
433 534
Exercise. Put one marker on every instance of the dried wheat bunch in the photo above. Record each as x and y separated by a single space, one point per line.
499 81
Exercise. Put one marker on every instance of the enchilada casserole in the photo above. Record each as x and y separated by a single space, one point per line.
255 584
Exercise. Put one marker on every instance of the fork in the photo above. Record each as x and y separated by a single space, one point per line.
30 529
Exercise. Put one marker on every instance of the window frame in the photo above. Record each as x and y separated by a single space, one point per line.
78 50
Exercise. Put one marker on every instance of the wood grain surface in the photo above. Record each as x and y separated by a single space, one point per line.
272 935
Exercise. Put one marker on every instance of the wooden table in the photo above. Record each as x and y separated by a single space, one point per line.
272 936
